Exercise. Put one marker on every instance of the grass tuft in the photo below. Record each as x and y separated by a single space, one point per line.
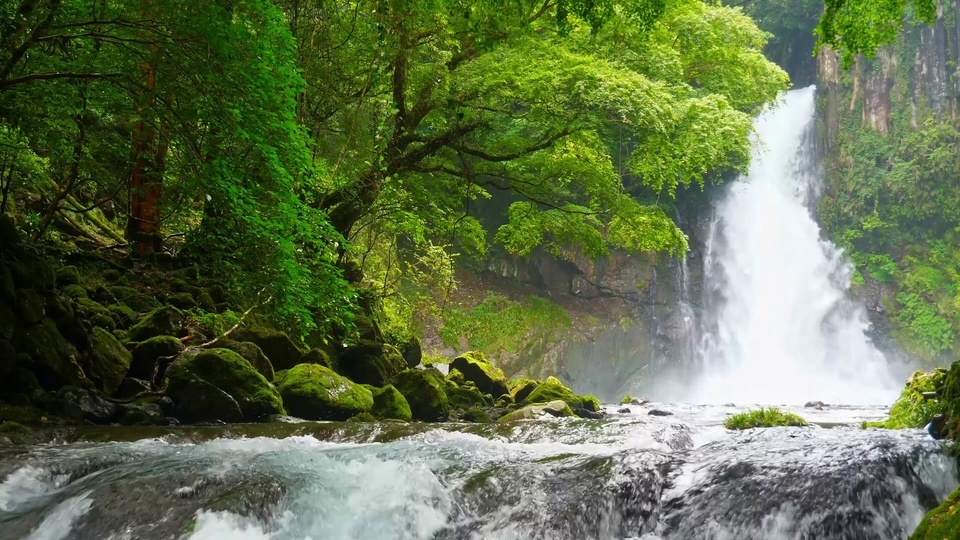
769 417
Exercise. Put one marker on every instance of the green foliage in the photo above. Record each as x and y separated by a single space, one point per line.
863 26
911 409
941 522
763 417
498 323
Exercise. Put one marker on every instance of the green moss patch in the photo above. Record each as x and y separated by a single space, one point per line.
763 417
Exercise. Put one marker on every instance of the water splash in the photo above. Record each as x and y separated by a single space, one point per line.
783 329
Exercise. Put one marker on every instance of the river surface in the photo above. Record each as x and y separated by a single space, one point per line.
631 475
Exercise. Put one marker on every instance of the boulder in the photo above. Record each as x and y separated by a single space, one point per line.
68 275
523 388
279 348
552 389
556 408
229 372
147 355
7 286
79 404
199 401
130 387
8 357
456 377
389 404
14 433
488 378
139 302
142 413
32 272
314 392
465 397
75 291
412 352
424 390
8 320
316 356
165 321
51 358
182 300
107 361
123 315
363 418
371 362
476 414
30 306
252 354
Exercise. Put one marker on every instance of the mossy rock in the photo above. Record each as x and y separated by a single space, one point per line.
279 348
941 523
95 314
425 391
107 361
81 405
456 377
488 377
29 306
68 275
364 417
371 362
412 352
29 416
165 321
7 286
316 356
314 392
138 301
8 355
199 401
15 433
523 388
182 300
8 320
52 358
476 414
551 390
75 291
912 409
32 272
465 397
229 372
505 401
557 408
389 404
147 354
123 315
252 354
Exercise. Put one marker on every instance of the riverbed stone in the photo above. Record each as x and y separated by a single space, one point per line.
279 348
523 388
80 404
488 378
147 355
424 390
51 357
389 404
106 361
252 354
165 321
558 408
371 362
314 392
199 401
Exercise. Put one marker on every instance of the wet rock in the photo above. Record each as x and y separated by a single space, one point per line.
199 401
466 396
475 414
371 362
142 414
523 388
488 378
505 401
51 358
624 410
363 418
659 412
412 352
819 405
279 348
558 408
165 321
389 403
14 433
148 355
230 373
81 404
587 413
130 387
425 392
552 389
252 354
107 361
314 392
938 428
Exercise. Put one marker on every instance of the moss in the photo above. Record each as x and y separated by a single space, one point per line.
75 291
424 390
252 354
769 417
911 410
137 301
316 356
8 320
123 315
147 353
552 389
30 306
68 275
15 433
107 361
95 314
165 321
27 415
314 392
371 362
363 417
476 414
556 408
456 377
941 523
182 300
465 397
389 403
627 399
279 348
52 359
229 372
499 323
488 378
523 388
590 403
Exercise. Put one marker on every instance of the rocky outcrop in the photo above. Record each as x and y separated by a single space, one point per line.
425 391
313 392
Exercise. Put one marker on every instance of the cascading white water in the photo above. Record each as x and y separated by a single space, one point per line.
783 328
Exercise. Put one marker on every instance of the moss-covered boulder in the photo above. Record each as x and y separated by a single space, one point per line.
8 320
147 355
486 376
523 388
371 362
553 389
914 409
29 306
412 352
106 361
466 396
68 275
425 391
182 300
251 353
389 404
51 358
456 377
475 414
123 315
228 371
314 392
316 356
138 301
14 433
199 401
279 348
557 408
941 523
362 418
8 357
74 291
165 321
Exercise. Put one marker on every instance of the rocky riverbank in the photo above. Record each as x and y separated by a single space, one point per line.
90 339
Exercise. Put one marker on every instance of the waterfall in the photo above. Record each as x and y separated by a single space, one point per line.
781 327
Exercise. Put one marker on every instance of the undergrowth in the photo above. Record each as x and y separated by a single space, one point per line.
763 417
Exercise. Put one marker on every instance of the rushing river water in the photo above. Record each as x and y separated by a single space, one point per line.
632 475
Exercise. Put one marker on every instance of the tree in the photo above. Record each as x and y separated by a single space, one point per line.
862 26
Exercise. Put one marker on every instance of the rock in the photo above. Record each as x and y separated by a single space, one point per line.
371 363
476 414
937 428
165 321
9 235
523 388
424 390
279 348
107 361
14 433
556 408
30 306
52 359
68 275
29 416
7 286
75 291
252 354
138 301
552 389
182 300
466 396
199 401
142 414
123 315
316 356
624 410
658 412
587 413
8 356
81 404
363 417
95 314
32 272
130 387
23 382
147 355
456 377
229 372
815 404
367 328
488 378
314 392
8 320
60 309
412 352
505 401
389 404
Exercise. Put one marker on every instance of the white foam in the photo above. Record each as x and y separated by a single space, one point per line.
59 522
23 485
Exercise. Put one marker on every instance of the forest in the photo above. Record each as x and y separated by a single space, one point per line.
474 212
